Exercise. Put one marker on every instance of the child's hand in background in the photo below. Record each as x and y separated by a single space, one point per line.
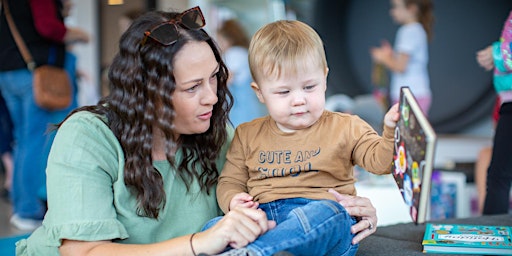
383 53
485 59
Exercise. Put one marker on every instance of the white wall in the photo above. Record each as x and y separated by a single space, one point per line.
84 15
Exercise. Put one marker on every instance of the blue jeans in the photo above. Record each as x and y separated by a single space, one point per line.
305 227
32 142
6 137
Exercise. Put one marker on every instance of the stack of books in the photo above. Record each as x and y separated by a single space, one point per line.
467 239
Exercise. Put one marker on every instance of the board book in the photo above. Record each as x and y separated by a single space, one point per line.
467 239
413 156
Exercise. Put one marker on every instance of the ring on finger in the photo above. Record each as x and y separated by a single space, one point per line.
370 227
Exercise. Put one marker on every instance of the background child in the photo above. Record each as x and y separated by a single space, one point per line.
285 163
234 42
499 176
409 59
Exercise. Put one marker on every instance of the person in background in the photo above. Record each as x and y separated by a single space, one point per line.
483 160
83 94
127 18
286 163
70 65
499 175
409 59
41 26
6 143
124 23
136 173
234 42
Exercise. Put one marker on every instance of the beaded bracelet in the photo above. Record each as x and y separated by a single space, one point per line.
191 246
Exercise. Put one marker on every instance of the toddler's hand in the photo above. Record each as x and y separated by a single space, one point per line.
392 116
243 200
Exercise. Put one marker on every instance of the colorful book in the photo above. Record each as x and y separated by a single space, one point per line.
467 239
413 156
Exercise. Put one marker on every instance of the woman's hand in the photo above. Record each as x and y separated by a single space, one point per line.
239 227
362 208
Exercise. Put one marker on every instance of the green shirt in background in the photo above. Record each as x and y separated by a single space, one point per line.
88 200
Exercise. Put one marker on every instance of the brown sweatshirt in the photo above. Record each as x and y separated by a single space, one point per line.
270 164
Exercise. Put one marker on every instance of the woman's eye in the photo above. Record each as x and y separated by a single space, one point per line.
193 88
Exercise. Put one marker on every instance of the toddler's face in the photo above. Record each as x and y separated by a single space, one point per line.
296 101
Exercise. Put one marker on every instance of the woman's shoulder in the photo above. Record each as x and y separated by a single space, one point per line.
86 123
87 118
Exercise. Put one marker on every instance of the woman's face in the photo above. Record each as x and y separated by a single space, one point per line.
195 71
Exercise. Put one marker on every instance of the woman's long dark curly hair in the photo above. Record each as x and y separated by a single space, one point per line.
141 87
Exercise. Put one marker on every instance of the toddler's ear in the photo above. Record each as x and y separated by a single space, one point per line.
257 90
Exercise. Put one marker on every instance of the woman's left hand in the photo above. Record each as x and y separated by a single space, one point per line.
362 208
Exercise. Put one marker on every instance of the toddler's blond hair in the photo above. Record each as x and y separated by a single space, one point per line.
284 46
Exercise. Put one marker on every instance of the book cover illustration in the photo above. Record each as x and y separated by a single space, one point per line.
443 198
413 156
474 239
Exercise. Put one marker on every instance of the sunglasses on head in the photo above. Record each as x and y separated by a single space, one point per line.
167 33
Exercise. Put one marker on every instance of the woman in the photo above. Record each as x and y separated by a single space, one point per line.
136 174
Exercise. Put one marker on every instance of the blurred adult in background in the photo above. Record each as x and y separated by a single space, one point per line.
127 18
124 22
234 43
499 176
41 25
86 91
6 142
483 160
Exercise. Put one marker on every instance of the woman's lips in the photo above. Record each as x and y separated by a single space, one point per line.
206 115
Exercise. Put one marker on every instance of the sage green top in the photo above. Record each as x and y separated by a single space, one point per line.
89 201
